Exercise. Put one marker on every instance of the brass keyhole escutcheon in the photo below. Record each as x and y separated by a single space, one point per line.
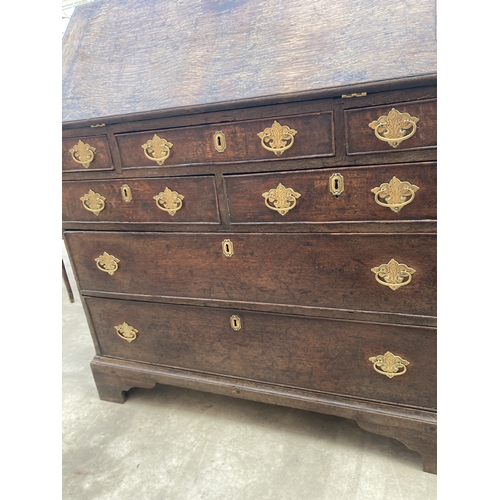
227 248
83 153
219 141
389 365
235 322
126 193
336 183
157 149
126 332
93 202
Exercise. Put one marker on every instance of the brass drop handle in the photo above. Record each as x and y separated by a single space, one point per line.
393 274
282 198
389 365
126 332
279 137
235 322
93 202
107 263
169 201
157 149
395 194
83 153
392 127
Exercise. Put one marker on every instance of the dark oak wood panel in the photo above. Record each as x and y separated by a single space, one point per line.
321 270
192 145
317 204
327 356
102 156
198 206
361 138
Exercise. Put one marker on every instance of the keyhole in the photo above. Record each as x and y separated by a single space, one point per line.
235 322
227 248
125 192
336 184
219 141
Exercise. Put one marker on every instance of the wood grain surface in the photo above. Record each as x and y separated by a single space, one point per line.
126 56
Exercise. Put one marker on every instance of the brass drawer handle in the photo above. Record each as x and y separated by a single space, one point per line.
126 332
392 127
93 202
157 149
279 137
389 365
107 263
235 322
83 153
283 199
395 193
169 201
393 274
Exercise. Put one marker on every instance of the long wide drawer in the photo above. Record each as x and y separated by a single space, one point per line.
394 273
374 361
389 193
166 200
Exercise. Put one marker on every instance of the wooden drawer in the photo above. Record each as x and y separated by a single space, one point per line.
92 151
316 202
195 200
362 125
319 270
324 355
195 145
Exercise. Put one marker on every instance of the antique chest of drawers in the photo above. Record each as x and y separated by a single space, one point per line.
277 249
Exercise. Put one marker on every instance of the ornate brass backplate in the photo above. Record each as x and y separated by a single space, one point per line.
126 332
389 365
392 127
157 149
393 274
82 153
395 193
279 137
169 201
93 202
283 199
107 263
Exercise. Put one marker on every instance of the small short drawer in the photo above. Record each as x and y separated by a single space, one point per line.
331 356
296 136
84 154
390 193
396 127
168 200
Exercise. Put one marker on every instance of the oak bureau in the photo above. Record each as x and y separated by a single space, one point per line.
254 227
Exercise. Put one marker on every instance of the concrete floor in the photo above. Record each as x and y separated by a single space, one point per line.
175 444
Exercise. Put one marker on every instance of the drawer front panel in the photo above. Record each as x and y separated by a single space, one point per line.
195 145
321 270
412 195
411 126
324 355
92 154
188 199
